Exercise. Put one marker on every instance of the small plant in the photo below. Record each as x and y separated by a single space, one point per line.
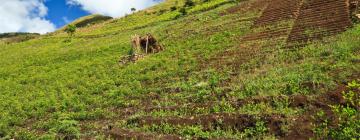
259 129
131 52
191 131
223 106
214 80
70 30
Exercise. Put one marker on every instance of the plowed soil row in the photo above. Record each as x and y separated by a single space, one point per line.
268 34
246 6
294 101
278 10
318 18
313 20
221 120
302 126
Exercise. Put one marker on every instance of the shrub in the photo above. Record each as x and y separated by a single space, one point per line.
173 8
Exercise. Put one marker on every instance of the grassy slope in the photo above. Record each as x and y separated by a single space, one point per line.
49 86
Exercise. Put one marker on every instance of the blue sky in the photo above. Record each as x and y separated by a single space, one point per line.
59 12
44 16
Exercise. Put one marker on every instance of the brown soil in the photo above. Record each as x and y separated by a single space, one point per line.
246 6
232 58
267 34
315 20
303 125
278 10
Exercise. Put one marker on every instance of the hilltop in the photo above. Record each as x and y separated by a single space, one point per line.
243 69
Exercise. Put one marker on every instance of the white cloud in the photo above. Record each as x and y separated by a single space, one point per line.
114 8
24 16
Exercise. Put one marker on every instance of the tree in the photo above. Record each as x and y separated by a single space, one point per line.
70 30
133 9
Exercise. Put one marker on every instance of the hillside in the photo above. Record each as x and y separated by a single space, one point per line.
89 20
16 37
244 69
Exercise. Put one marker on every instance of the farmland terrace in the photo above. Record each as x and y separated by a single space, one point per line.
246 69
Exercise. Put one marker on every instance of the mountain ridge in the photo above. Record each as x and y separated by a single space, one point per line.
246 69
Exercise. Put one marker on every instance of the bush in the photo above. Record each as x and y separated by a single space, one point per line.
189 3
70 29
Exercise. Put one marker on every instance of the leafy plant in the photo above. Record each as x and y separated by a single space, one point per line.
349 125
353 96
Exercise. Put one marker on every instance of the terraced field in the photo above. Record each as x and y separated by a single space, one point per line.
227 73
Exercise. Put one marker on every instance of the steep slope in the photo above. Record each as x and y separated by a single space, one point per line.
223 75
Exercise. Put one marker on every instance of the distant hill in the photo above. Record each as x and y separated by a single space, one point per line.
90 20
17 37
